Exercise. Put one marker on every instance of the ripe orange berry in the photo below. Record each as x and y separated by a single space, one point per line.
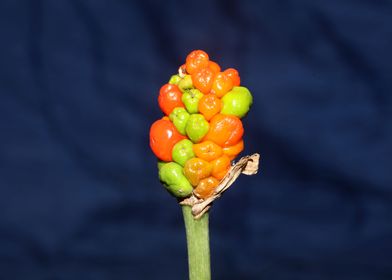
196 169
220 167
202 79
206 187
234 150
163 137
195 60
209 106
221 85
169 98
233 75
225 130
207 150
214 66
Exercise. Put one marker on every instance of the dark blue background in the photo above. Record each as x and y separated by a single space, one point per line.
80 198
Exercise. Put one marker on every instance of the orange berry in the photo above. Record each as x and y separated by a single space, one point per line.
233 75
196 169
220 166
207 150
202 79
222 84
234 150
169 98
209 106
163 137
225 130
214 66
195 60
206 187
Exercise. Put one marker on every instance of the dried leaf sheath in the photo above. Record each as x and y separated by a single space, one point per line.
247 165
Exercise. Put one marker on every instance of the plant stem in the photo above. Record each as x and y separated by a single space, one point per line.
198 245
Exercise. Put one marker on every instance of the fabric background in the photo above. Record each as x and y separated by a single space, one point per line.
79 194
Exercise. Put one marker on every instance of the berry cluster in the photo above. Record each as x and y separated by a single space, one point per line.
201 131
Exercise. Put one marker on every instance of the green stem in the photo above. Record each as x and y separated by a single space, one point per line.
198 245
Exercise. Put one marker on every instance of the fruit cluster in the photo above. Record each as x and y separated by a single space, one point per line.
201 131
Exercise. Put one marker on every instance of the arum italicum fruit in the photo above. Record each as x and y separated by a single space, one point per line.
196 142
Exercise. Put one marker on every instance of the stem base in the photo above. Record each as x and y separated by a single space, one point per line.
197 236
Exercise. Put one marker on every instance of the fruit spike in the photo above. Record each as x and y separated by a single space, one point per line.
202 130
